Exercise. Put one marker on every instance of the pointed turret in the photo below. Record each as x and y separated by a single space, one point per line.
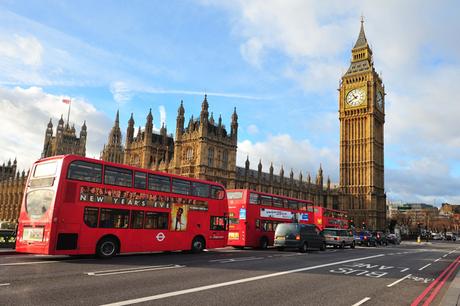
211 119
204 111
117 118
246 164
259 166
361 54
148 128
180 121
234 126
130 130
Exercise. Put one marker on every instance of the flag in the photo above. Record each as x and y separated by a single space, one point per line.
66 101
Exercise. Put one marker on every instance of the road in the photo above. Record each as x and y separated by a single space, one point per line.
393 275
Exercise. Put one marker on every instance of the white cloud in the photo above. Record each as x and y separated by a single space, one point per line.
283 150
121 92
251 51
253 129
25 50
25 113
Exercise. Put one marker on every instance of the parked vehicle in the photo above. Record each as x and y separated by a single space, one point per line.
380 238
299 236
450 236
356 237
393 238
338 237
367 239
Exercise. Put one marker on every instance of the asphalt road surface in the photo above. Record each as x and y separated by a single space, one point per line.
393 275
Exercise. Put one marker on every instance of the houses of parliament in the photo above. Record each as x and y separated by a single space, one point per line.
204 148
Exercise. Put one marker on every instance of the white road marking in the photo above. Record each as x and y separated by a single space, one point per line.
5 284
399 280
234 282
451 252
228 260
404 270
437 259
362 301
445 255
28 263
424 267
132 270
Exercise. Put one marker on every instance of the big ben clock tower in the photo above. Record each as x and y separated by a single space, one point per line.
362 116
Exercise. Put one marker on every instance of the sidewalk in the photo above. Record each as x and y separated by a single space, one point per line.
452 296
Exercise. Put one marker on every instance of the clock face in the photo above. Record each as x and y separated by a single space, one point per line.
379 100
356 97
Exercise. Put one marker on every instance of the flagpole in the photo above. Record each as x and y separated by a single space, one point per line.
68 113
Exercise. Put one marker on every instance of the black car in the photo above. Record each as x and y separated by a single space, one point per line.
367 239
380 238
299 236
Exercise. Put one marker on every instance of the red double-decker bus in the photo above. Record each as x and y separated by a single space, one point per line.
253 216
330 218
74 205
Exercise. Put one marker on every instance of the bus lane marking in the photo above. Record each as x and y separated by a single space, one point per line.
28 263
133 270
234 282
425 266
229 260
399 280
362 301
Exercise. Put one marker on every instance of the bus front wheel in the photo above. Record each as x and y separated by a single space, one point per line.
198 245
106 248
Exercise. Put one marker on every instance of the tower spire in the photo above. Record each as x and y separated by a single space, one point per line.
361 41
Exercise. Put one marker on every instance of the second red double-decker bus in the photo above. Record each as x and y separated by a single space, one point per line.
74 205
329 218
253 216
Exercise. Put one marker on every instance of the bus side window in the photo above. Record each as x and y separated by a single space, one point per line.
137 219
257 223
218 223
217 193
118 176
159 183
90 216
156 220
84 171
140 180
181 186
253 198
200 190
114 218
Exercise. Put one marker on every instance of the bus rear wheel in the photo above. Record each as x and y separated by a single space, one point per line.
106 248
198 245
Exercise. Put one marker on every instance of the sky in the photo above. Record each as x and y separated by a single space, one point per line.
279 62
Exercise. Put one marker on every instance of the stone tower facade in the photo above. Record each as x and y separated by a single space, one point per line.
204 149
113 150
65 141
148 149
362 117
12 184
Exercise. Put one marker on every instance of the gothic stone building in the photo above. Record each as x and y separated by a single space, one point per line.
12 183
204 149
65 141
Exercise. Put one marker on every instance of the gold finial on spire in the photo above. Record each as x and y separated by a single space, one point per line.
362 18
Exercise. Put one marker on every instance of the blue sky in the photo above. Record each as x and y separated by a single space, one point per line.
278 62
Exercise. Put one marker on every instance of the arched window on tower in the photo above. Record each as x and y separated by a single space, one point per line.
189 154
210 157
224 159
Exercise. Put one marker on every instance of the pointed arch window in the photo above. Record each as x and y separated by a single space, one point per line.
210 157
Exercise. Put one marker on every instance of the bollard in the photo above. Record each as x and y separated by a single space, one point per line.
418 239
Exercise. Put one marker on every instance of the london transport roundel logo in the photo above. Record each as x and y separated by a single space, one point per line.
160 236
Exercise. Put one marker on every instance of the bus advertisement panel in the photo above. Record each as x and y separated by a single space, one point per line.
253 216
74 205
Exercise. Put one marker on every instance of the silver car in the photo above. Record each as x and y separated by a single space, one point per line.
339 237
